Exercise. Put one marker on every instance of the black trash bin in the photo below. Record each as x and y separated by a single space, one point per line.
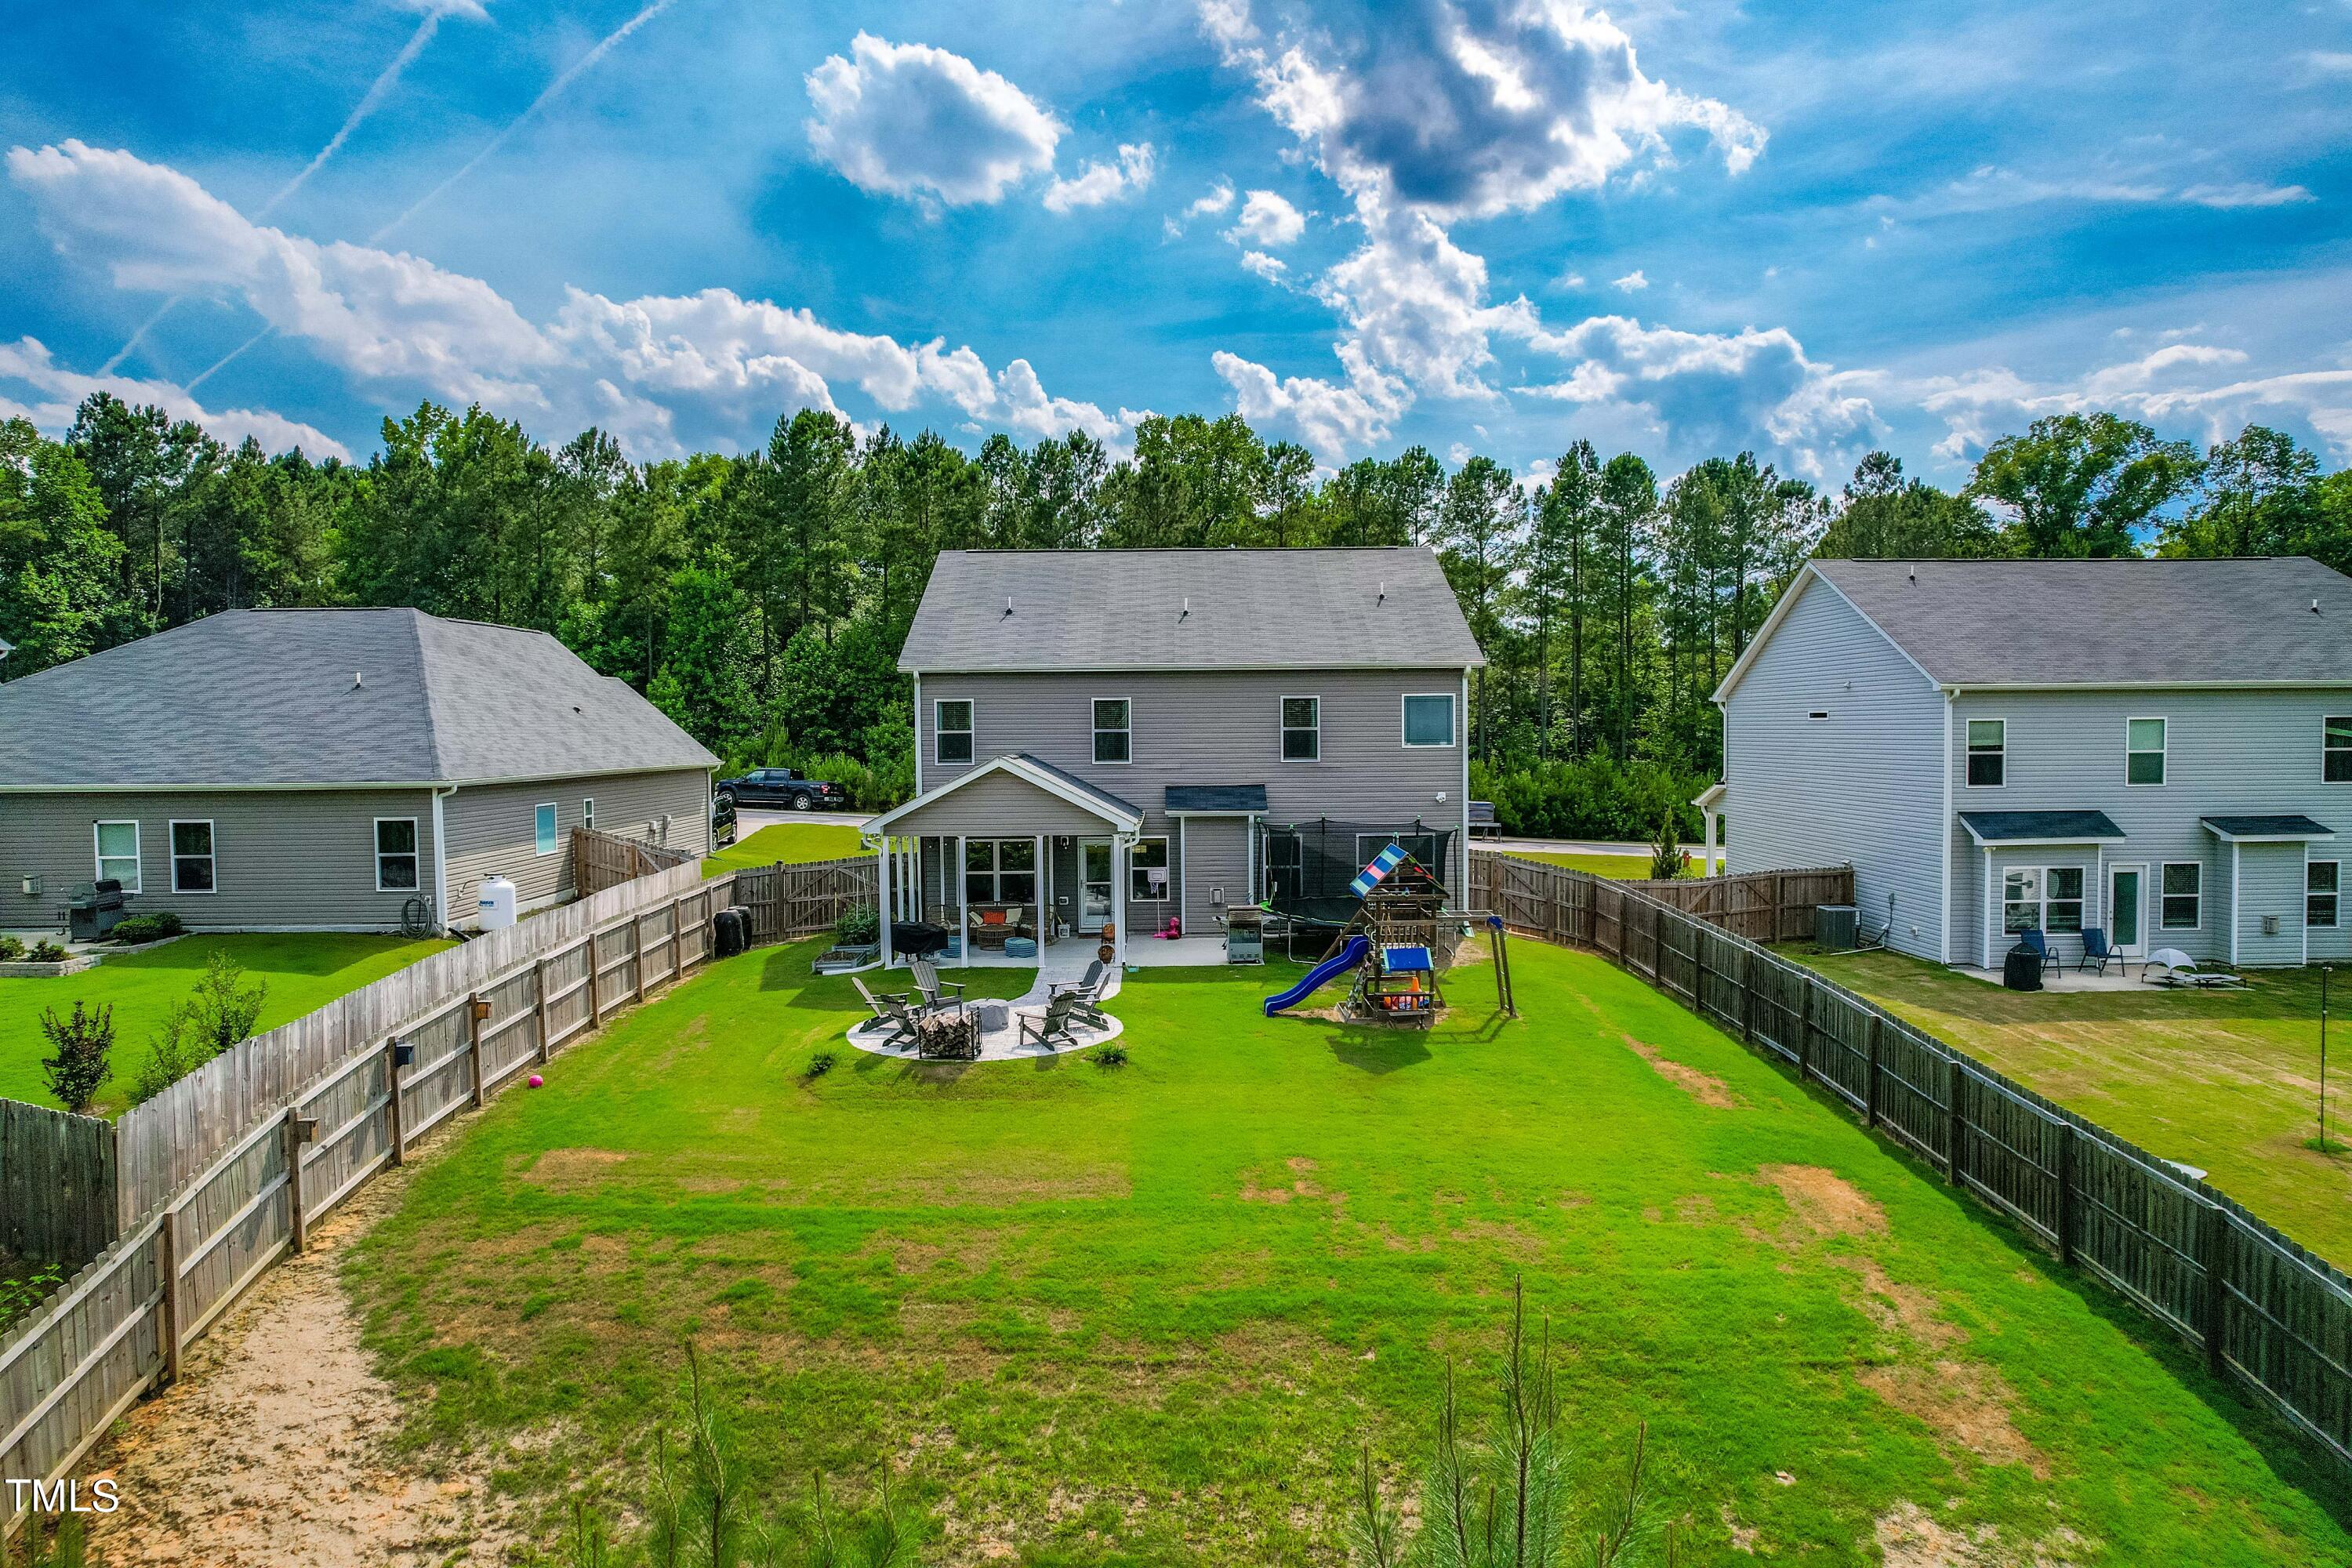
2022 970
733 931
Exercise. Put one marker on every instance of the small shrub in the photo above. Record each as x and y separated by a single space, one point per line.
1666 852
818 1066
860 927
147 928
1110 1055
81 1044
20 1293
46 952
11 948
218 1013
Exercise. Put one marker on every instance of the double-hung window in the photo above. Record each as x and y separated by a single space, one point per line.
2336 749
1147 870
1302 729
1114 730
192 857
588 811
2062 898
1000 870
117 844
2042 898
2144 751
2319 893
542 827
2183 896
2020 899
1429 720
395 855
1987 752
952 730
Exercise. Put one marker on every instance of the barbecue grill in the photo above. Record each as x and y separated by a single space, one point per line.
93 914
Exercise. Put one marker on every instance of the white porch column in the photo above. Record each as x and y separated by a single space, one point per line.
882 892
1119 846
963 915
1710 815
1037 885
1989 903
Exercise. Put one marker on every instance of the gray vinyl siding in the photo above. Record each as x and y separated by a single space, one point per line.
2226 752
2333 943
491 829
298 859
1220 727
2268 880
1001 805
1861 785
1215 859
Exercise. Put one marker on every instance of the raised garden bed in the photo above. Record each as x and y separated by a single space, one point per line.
841 959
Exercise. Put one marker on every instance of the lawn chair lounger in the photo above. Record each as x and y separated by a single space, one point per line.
933 989
892 1013
1086 993
1051 1029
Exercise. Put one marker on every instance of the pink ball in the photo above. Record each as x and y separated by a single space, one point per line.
535 1081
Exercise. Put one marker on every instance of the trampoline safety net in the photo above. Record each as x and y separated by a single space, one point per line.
1309 865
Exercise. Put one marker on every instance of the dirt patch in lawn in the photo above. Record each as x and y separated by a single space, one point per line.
1908 1536
1703 1087
1965 1403
1300 1185
1822 1205
565 1168
273 1447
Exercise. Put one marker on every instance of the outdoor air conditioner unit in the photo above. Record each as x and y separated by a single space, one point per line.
1835 927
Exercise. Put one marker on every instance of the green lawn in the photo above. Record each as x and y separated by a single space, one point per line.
1620 867
304 971
791 842
2227 1080
1146 1315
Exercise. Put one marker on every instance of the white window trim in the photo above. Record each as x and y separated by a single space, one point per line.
555 827
1968 753
2042 900
2325 748
1283 727
415 854
971 732
997 871
2162 867
588 811
211 855
1167 864
1095 731
2164 752
2336 898
1453 727
97 857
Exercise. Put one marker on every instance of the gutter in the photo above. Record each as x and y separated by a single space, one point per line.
441 860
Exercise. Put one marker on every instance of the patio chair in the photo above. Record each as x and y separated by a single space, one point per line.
892 1013
2096 950
933 989
1051 1028
1089 990
2036 942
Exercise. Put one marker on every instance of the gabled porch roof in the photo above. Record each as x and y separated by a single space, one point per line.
1072 791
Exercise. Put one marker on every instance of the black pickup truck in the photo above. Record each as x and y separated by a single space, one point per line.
781 786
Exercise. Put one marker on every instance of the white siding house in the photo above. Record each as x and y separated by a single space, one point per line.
2141 747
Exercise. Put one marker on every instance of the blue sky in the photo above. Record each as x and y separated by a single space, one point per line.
1680 229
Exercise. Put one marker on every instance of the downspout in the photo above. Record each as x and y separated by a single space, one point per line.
441 860
1462 872
1944 841
918 731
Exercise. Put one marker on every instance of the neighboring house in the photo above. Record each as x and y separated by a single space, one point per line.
319 770
2161 749
1132 737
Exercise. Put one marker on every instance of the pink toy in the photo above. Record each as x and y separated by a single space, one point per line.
535 1081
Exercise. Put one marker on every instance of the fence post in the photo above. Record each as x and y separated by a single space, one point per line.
474 1010
2066 1158
1779 907
167 1316
2213 1255
637 953
392 1097
296 1215
1805 1032
677 947
1954 1122
538 1004
595 999
1870 1081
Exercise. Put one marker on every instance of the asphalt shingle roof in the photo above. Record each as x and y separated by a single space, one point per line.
1125 808
2109 623
1160 609
2294 825
1214 797
329 697
2053 827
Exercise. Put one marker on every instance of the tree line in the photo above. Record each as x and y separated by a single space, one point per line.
760 598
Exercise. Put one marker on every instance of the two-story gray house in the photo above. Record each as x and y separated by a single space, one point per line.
328 770
2159 749
1136 738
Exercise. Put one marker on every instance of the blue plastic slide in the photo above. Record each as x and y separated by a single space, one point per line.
1322 975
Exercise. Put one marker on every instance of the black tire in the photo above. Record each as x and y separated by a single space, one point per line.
803 802
726 798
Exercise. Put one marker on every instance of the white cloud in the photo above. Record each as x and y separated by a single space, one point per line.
2330 62
908 119
660 371
1220 198
1270 268
1331 419
1631 283
473 10
1268 221
1991 188
1100 182
56 391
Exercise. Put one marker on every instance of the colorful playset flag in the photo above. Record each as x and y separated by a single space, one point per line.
1373 875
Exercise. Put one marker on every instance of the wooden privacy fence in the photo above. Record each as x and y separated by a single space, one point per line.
788 901
2270 1316
600 860
293 1125
1762 906
56 1185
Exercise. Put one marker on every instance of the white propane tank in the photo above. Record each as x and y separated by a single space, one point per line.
495 909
